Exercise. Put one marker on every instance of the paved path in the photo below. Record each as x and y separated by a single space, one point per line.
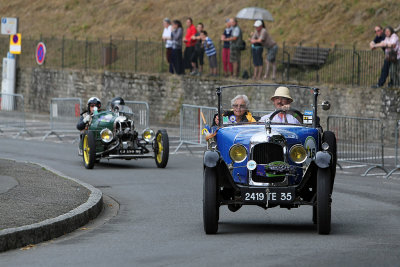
160 220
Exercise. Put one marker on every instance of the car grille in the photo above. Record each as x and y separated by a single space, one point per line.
265 153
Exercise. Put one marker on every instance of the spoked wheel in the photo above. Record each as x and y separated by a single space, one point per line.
89 150
210 201
324 201
161 148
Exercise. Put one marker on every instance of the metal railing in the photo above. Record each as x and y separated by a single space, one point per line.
342 66
12 113
140 114
192 123
396 163
64 115
359 140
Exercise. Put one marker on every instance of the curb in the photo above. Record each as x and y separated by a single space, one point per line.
12 238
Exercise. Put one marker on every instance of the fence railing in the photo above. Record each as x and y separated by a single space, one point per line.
359 140
396 162
64 115
12 113
342 65
192 123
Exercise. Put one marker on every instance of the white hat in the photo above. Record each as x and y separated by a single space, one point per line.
282 92
258 23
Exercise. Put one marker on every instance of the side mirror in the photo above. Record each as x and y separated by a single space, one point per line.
326 105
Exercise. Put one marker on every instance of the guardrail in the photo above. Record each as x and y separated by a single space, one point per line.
359 140
12 113
191 124
64 115
396 163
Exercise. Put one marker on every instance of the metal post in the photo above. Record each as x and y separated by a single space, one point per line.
62 51
136 53
110 53
86 52
162 55
317 63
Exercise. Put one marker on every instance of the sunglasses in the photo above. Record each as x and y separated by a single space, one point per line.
92 105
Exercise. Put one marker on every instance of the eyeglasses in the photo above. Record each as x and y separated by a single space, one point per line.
92 105
236 106
378 30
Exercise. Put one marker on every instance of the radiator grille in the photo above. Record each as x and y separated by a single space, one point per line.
265 153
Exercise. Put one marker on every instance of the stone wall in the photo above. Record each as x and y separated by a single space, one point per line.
165 93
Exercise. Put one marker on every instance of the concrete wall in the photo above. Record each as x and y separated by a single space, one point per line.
165 93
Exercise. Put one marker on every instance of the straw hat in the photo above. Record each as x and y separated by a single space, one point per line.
282 92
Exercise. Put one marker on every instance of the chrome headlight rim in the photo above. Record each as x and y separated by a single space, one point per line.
152 135
109 132
302 149
238 146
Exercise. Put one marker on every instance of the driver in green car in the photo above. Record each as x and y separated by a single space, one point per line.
282 101
93 105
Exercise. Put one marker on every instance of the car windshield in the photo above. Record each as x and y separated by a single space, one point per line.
124 109
245 104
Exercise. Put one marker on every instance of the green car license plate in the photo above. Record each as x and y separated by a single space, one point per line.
273 195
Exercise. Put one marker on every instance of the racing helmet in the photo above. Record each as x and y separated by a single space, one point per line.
93 100
117 101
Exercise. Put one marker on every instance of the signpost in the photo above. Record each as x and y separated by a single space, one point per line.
9 26
15 43
40 53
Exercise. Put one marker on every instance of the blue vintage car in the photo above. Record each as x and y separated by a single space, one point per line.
269 164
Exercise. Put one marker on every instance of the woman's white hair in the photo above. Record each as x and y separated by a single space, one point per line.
245 99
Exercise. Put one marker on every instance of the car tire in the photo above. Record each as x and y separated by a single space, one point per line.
210 201
89 149
161 148
324 201
330 138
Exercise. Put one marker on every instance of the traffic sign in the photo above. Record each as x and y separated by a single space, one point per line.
9 26
15 43
40 53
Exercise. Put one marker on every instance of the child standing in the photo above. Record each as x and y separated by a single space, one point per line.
211 52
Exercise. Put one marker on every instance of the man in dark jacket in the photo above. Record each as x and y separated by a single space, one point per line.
93 105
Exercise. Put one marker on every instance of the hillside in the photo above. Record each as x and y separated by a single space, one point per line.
325 21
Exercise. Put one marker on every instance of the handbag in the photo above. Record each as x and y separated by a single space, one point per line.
391 56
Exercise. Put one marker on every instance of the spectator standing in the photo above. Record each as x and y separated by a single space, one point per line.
236 41
270 59
257 42
189 42
225 50
166 37
379 37
211 52
176 55
198 54
392 55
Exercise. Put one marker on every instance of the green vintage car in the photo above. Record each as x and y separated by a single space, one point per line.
111 134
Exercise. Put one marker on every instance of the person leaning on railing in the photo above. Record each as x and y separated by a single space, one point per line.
240 111
392 56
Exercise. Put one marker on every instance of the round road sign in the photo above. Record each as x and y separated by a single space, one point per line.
40 53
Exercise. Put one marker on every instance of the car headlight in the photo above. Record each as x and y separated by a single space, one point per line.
148 135
238 153
298 154
106 135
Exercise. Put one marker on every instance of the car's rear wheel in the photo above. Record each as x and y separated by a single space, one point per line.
89 149
210 201
161 148
324 201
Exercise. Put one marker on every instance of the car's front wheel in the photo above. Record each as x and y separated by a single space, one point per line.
161 148
324 201
210 201
89 149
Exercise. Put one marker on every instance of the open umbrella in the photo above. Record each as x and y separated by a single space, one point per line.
254 13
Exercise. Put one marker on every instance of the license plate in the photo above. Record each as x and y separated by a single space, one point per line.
127 151
277 195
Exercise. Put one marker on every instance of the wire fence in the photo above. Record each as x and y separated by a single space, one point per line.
338 65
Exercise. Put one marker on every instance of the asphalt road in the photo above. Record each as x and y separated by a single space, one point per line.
160 220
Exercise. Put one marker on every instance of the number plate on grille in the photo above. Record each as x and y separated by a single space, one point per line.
273 195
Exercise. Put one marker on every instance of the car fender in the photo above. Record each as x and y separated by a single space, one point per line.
211 158
323 159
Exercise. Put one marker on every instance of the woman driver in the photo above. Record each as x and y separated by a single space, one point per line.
239 112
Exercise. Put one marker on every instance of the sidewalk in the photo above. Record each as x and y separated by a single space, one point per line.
37 204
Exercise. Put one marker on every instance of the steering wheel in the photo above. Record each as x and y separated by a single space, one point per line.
294 112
